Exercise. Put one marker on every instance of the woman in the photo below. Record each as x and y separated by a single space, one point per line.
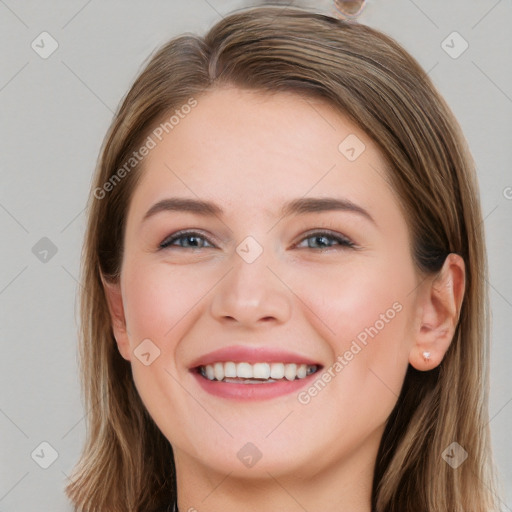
284 302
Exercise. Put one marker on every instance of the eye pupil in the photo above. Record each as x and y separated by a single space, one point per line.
197 241
191 237
185 241
322 240
321 237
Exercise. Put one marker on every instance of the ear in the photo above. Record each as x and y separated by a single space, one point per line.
438 313
116 309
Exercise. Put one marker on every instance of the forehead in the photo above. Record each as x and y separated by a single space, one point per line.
255 150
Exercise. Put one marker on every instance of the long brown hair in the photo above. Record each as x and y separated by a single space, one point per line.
127 463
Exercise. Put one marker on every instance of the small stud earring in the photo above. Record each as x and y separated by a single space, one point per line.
426 356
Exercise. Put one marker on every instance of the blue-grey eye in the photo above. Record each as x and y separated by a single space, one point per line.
192 240
324 239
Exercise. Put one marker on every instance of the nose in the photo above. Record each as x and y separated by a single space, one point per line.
252 294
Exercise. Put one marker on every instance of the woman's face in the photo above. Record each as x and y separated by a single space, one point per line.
261 282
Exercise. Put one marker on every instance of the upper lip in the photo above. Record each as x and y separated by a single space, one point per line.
245 354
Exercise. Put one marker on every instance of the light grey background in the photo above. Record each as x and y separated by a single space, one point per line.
54 114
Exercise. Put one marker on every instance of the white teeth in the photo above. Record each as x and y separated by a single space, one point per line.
260 371
244 370
290 371
209 371
277 370
257 372
218 370
229 369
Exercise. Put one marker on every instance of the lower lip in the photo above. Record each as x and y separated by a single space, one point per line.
253 391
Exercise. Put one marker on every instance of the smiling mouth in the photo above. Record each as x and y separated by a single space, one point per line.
257 373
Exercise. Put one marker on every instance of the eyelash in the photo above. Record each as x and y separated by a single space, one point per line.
343 241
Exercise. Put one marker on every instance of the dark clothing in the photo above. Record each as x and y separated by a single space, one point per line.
165 508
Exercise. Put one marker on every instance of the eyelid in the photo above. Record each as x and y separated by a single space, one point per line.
346 241
343 240
179 234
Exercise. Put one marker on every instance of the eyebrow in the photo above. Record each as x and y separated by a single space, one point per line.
299 206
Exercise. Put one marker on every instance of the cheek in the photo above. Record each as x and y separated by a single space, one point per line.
161 305
159 301
364 320
365 313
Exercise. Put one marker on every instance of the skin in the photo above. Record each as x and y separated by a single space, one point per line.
249 153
